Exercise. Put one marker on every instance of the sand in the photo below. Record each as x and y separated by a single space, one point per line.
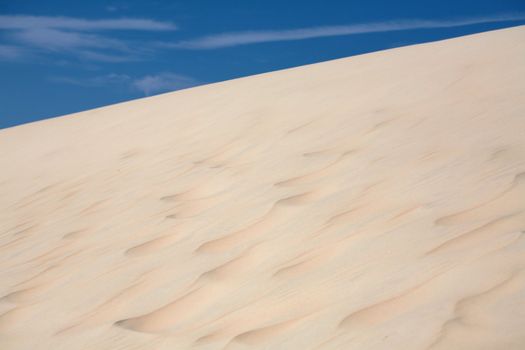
372 202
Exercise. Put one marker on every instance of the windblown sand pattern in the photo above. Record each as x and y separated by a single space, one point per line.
374 202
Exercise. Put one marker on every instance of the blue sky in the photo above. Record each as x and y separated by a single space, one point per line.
62 56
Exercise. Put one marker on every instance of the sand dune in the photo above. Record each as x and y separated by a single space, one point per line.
373 202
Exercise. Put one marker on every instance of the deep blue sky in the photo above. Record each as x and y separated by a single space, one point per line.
62 56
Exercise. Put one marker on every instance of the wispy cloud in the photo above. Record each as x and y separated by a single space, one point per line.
80 24
163 82
116 7
148 84
251 37
10 52
98 56
54 39
83 38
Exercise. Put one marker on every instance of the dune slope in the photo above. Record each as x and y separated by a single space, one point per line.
373 202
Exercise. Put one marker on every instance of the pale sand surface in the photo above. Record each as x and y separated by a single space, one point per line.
374 202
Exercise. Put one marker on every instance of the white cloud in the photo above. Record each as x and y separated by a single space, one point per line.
80 24
252 37
54 39
10 52
163 82
116 7
104 57
79 37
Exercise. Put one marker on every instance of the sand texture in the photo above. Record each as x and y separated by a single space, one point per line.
375 202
